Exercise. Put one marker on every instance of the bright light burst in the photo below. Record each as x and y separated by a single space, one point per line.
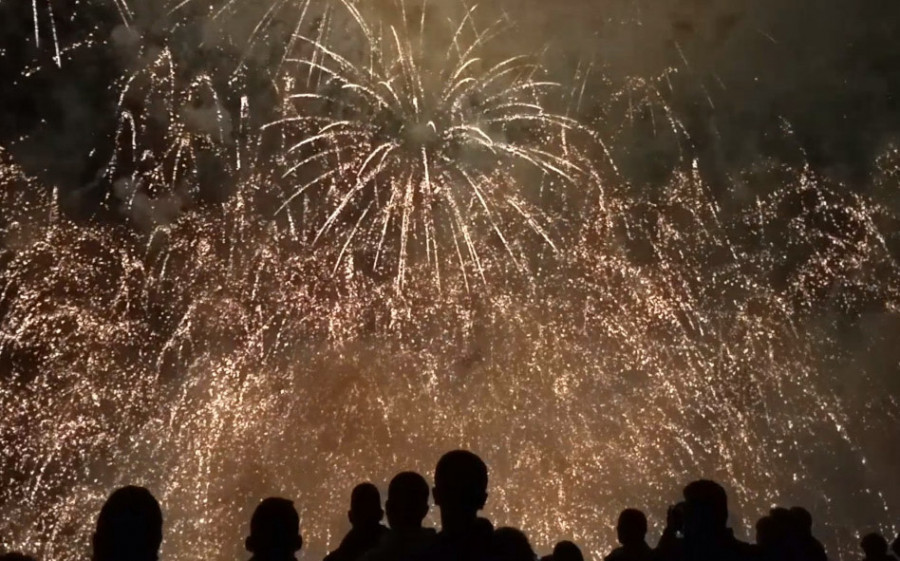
419 144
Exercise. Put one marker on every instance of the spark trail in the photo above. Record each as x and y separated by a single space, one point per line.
419 144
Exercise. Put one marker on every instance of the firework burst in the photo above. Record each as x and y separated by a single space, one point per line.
419 146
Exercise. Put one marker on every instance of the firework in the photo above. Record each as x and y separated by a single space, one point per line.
419 146
297 341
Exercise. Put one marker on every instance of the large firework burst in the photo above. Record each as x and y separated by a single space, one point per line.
419 145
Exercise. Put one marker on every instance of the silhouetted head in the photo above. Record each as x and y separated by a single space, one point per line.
567 551
675 517
874 545
783 524
129 527
407 502
483 530
705 509
766 532
274 530
802 521
365 506
632 527
16 556
460 486
510 544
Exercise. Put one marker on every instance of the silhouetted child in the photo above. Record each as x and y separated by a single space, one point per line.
406 508
460 491
366 530
631 530
129 527
706 533
875 547
564 551
274 531
510 544
808 548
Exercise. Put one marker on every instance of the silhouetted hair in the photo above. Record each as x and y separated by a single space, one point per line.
707 500
365 505
510 544
632 526
129 526
567 551
802 519
462 479
274 528
407 502
874 545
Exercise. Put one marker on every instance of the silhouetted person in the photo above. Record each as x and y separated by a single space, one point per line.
875 547
564 551
766 538
129 527
807 546
460 491
482 534
510 544
274 531
631 531
706 533
406 508
671 544
776 536
366 530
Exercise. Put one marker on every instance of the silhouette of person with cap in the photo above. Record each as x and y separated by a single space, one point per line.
274 531
366 530
129 527
632 531
406 508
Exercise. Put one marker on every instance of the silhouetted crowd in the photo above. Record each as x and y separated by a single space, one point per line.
130 527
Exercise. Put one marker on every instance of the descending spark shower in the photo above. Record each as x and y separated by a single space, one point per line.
414 242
